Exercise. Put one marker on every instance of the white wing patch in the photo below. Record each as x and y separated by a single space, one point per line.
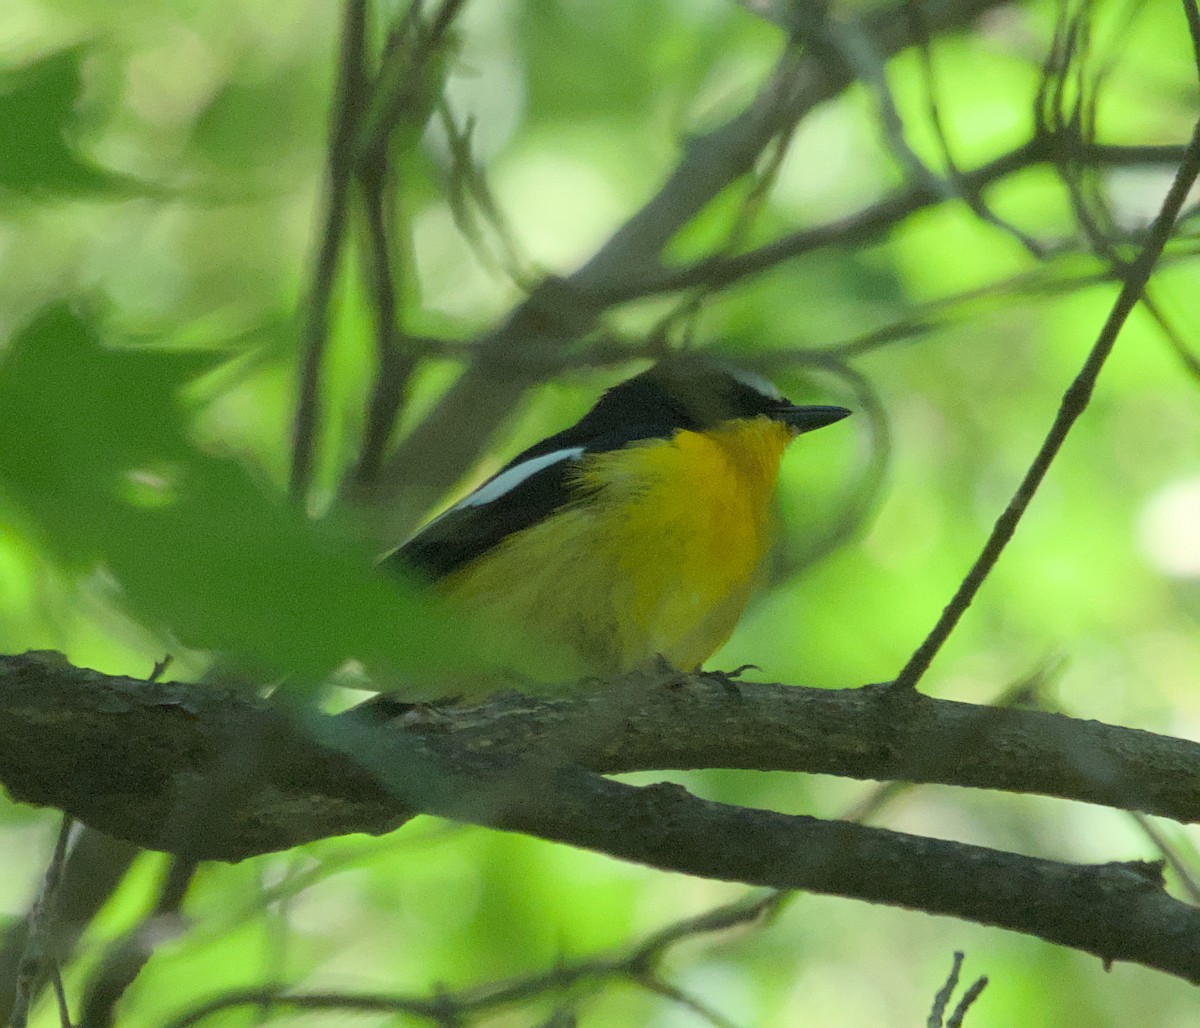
508 480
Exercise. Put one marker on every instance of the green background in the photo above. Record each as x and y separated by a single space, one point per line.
159 184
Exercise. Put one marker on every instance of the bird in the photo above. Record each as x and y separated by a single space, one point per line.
632 539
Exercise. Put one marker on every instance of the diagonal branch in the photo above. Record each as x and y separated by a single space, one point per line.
635 965
1074 402
872 221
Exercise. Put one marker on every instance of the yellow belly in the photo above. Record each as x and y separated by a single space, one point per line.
660 561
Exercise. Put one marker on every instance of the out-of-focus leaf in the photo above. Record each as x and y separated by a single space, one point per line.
38 120
93 450
255 123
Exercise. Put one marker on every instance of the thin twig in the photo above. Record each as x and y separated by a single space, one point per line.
60 997
937 1014
1074 402
873 220
95 867
859 51
968 999
1192 14
686 312
126 958
470 198
686 1000
401 83
395 360
635 965
1088 204
933 111
403 97
346 113
39 941
1189 359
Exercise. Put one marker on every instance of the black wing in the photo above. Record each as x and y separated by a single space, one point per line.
470 529
474 525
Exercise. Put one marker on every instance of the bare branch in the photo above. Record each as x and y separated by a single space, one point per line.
405 93
869 223
474 207
126 958
215 775
1074 402
95 866
367 110
1188 359
348 100
968 999
1192 14
974 200
38 950
402 85
130 754
394 356
633 965
937 1015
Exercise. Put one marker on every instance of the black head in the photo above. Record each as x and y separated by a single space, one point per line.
692 392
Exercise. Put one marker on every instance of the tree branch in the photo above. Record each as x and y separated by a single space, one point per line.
875 219
138 760
210 774
348 100
1074 402
637 965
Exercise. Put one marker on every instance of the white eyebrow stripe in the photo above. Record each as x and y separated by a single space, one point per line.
508 480
758 383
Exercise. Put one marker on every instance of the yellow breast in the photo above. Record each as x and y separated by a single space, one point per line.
658 557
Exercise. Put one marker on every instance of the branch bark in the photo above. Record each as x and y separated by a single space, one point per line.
139 760
211 774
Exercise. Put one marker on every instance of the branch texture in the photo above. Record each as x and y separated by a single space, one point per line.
126 756
210 774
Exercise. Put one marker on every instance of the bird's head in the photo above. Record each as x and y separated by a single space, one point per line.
687 391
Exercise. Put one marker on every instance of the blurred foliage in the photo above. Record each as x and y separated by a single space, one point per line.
39 110
160 190
193 542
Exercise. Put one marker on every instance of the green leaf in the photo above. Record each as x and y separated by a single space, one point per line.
38 124
93 449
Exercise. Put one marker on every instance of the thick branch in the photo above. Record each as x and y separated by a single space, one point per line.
123 755
211 774
1115 911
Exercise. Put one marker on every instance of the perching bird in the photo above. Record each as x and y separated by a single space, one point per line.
636 535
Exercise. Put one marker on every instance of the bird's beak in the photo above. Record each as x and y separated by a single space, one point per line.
805 419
